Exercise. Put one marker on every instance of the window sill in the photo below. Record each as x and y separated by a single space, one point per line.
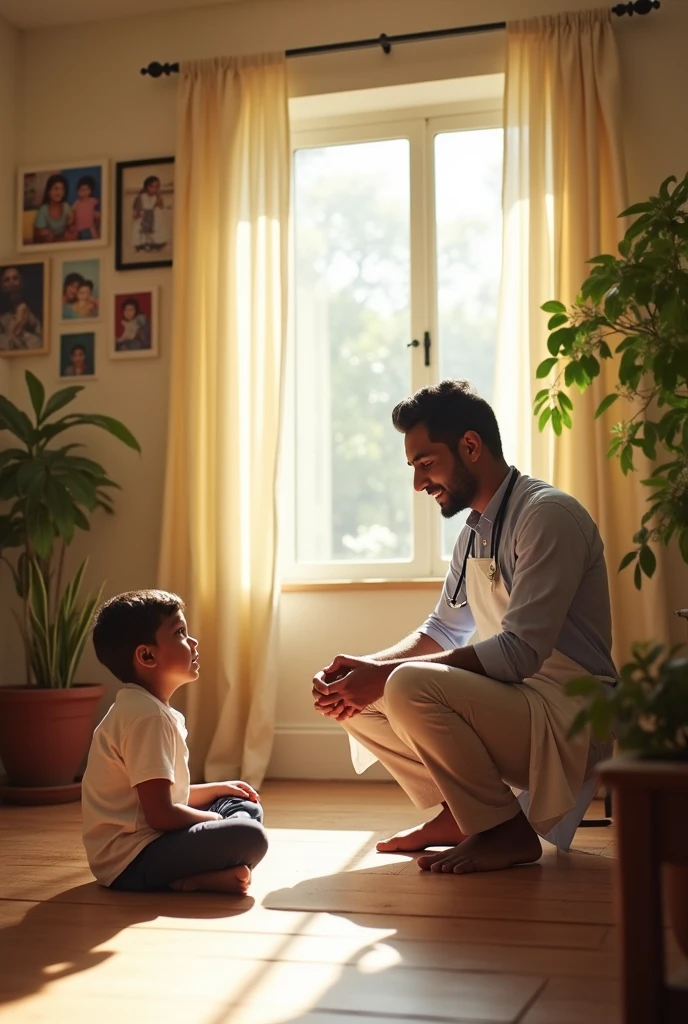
349 586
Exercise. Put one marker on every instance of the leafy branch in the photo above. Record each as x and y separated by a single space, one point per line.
633 309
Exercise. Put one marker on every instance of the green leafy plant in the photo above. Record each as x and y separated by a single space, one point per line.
54 646
49 491
647 711
634 306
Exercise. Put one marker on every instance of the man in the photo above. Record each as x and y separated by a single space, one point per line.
19 327
472 704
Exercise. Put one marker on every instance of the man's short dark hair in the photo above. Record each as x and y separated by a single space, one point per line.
125 622
448 410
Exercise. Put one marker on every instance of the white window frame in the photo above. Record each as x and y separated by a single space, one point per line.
421 130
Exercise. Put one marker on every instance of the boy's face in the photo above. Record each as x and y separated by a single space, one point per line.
176 653
129 312
84 191
84 292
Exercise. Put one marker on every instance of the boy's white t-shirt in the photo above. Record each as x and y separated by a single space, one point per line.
139 739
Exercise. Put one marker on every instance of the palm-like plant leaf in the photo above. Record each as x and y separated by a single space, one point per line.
51 492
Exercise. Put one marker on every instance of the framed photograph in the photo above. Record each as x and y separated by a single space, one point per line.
62 207
78 355
134 329
24 307
80 297
145 213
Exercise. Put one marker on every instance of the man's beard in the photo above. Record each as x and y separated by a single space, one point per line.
461 490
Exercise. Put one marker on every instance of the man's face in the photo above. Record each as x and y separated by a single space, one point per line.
11 281
440 472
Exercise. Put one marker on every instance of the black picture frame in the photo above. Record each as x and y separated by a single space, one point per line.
158 241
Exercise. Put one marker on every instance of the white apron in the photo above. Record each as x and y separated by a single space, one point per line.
561 778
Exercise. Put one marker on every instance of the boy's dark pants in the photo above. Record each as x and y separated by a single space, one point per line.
209 846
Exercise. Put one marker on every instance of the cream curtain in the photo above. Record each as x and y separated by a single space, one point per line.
219 536
564 185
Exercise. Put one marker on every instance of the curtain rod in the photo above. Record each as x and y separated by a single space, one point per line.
155 69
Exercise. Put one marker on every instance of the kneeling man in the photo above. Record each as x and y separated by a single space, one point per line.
471 706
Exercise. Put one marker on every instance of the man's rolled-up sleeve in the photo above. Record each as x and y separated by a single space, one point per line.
451 627
552 554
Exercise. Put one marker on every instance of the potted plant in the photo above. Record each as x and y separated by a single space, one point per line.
634 307
49 490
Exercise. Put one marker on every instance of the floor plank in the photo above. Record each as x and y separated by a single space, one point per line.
332 933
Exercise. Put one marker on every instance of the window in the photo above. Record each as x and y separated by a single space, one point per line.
396 232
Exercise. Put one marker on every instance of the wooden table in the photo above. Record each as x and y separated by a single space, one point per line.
651 819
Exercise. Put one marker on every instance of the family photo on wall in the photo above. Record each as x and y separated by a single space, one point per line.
80 289
24 308
145 213
66 206
78 354
62 207
134 324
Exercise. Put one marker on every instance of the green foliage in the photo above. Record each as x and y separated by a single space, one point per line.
635 306
647 712
54 645
48 493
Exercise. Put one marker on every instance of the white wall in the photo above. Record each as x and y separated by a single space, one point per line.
107 109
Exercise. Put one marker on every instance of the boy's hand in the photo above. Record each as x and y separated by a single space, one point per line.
241 789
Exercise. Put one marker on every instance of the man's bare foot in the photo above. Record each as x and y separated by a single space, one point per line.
232 880
513 842
441 831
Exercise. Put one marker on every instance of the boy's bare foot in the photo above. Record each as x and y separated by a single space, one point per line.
441 831
232 880
513 842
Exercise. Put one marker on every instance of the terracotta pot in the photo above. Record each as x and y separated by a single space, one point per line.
676 883
45 734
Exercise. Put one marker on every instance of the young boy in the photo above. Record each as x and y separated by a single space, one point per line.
144 827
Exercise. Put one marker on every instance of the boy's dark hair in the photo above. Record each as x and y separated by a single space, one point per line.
131 302
89 181
149 180
125 622
87 284
448 410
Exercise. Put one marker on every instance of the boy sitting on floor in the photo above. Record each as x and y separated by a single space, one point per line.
144 827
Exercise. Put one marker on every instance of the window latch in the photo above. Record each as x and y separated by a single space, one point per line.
426 345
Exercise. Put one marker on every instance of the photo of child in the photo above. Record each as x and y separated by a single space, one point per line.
134 326
86 209
77 355
62 207
145 213
80 289
149 217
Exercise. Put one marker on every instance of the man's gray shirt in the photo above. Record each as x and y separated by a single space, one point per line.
551 558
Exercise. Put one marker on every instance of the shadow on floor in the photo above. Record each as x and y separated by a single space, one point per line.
60 936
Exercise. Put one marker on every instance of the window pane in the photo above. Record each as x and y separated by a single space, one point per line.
468 202
352 326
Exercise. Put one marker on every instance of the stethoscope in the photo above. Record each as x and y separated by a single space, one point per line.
494 547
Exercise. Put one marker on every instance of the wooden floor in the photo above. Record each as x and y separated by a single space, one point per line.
333 932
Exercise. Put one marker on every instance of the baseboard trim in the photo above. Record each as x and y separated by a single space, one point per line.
316 752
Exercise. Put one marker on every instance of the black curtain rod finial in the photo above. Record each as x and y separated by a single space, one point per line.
156 70
385 43
638 7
